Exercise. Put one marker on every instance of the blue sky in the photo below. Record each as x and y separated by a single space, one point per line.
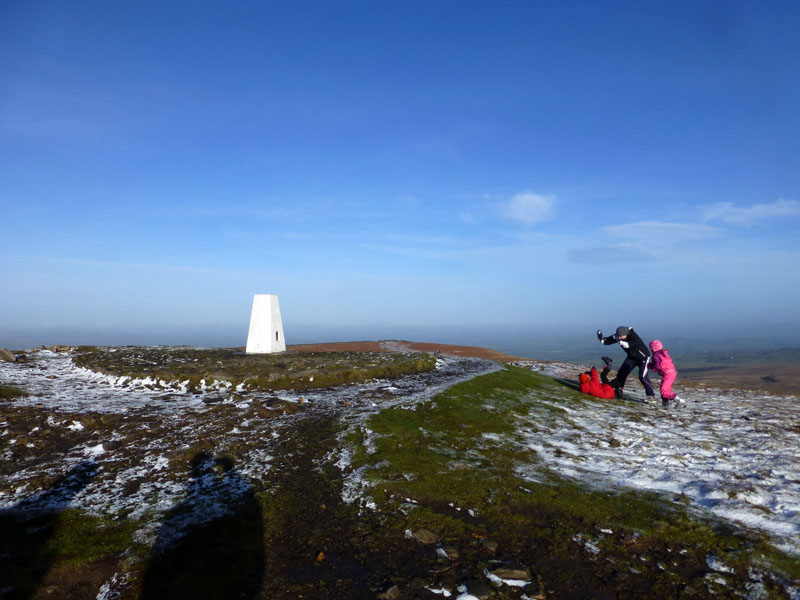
392 167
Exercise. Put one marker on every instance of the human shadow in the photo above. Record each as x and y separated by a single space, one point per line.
27 528
211 545
574 385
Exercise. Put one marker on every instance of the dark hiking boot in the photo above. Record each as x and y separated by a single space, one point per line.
618 393
607 360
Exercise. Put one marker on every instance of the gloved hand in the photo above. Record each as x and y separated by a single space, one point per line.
600 334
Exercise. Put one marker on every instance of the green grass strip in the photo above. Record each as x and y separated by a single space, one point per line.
460 451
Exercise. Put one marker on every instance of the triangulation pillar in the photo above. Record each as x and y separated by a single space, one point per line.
266 327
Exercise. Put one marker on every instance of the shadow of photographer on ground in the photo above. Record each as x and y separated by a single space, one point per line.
211 545
27 528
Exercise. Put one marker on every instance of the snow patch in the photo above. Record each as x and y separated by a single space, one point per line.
732 453
509 582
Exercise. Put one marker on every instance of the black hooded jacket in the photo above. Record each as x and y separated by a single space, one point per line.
632 344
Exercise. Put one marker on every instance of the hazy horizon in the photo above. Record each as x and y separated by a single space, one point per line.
570 344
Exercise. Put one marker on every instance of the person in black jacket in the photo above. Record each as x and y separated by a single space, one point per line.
638 356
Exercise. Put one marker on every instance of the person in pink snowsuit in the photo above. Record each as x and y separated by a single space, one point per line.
663 365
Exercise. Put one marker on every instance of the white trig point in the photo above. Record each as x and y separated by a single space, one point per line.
266 327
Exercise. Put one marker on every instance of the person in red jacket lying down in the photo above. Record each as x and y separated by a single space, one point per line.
591 384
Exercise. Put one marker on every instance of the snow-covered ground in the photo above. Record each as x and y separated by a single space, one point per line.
155 422
734 453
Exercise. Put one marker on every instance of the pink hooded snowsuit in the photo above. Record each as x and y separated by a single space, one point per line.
663 365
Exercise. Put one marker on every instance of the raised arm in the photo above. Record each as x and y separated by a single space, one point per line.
612 339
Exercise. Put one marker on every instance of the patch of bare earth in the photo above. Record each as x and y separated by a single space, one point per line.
770 378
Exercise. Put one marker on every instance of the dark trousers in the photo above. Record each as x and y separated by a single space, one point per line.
627 367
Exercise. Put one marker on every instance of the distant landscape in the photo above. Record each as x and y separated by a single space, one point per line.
758 364
768 363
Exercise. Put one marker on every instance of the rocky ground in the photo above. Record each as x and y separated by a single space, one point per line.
399 488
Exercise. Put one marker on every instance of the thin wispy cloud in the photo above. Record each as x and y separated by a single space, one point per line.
609 254
242 211
423 240
57 103
663 231
129 266
427 247
644 241
528 208
728 212
298 237
453 249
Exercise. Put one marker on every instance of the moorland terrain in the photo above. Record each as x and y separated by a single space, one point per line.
373 470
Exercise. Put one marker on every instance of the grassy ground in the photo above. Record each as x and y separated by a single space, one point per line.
298 370
7 392
438 455
443 470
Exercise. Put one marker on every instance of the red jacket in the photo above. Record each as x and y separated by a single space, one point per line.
590 384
